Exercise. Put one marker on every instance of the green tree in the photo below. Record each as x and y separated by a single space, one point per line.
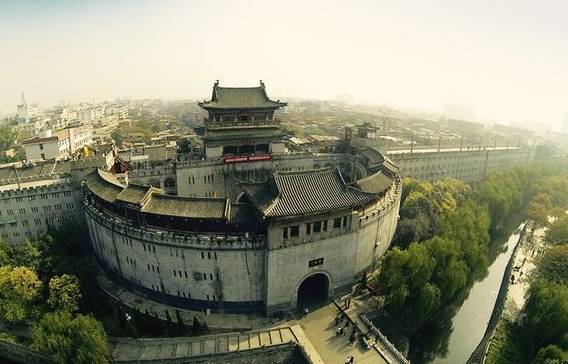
419 266
451 273
19 288
501 193
412 230
429 300
393 279
551 354
8 136
80 340
547 312
539 209
64 293
556 186
553 265
558 231
62 253
7 253
469 227
8 337
29 256
447 194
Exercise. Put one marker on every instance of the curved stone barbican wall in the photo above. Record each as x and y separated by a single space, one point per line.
193 271
236 271
345 252
377 224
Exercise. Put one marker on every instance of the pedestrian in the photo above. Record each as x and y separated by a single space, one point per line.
352 338
348 302
338 331
306 311
349 360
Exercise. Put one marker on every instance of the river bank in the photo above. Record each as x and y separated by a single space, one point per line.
478 354
499 343
458 328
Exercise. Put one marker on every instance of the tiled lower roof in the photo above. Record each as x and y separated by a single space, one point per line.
136 194
375 183
153 201
193 208
373 155
297 193
104 185
390 167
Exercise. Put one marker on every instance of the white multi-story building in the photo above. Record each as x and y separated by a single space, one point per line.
28 209
59 145
121 111
469 165
37 196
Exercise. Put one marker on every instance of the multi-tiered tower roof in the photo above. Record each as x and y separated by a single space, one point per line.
241 122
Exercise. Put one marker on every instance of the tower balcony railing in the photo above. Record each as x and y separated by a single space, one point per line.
244 124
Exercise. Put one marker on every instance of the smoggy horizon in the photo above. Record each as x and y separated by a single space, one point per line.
505 61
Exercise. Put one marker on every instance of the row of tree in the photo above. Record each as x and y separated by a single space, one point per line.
9 138
442 243
543 333
40 286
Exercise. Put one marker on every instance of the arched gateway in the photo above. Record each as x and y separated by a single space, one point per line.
313 290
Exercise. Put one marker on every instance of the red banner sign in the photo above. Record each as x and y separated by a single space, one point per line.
249 158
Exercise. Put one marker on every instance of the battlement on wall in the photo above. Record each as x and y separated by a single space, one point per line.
182 239
26 189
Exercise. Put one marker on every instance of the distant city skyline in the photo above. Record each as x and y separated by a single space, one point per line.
506 60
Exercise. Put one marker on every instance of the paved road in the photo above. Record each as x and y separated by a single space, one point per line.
525 260
319 327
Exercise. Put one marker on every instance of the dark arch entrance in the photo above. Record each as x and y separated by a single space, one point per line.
313 291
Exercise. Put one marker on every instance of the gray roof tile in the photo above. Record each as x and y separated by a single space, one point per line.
193 208
240 98
104 185
153 201
296 193
375 183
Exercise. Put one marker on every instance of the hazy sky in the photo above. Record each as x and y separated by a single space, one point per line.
508 59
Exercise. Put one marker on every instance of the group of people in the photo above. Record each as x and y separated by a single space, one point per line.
342 325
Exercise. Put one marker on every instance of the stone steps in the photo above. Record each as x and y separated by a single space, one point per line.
184 347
